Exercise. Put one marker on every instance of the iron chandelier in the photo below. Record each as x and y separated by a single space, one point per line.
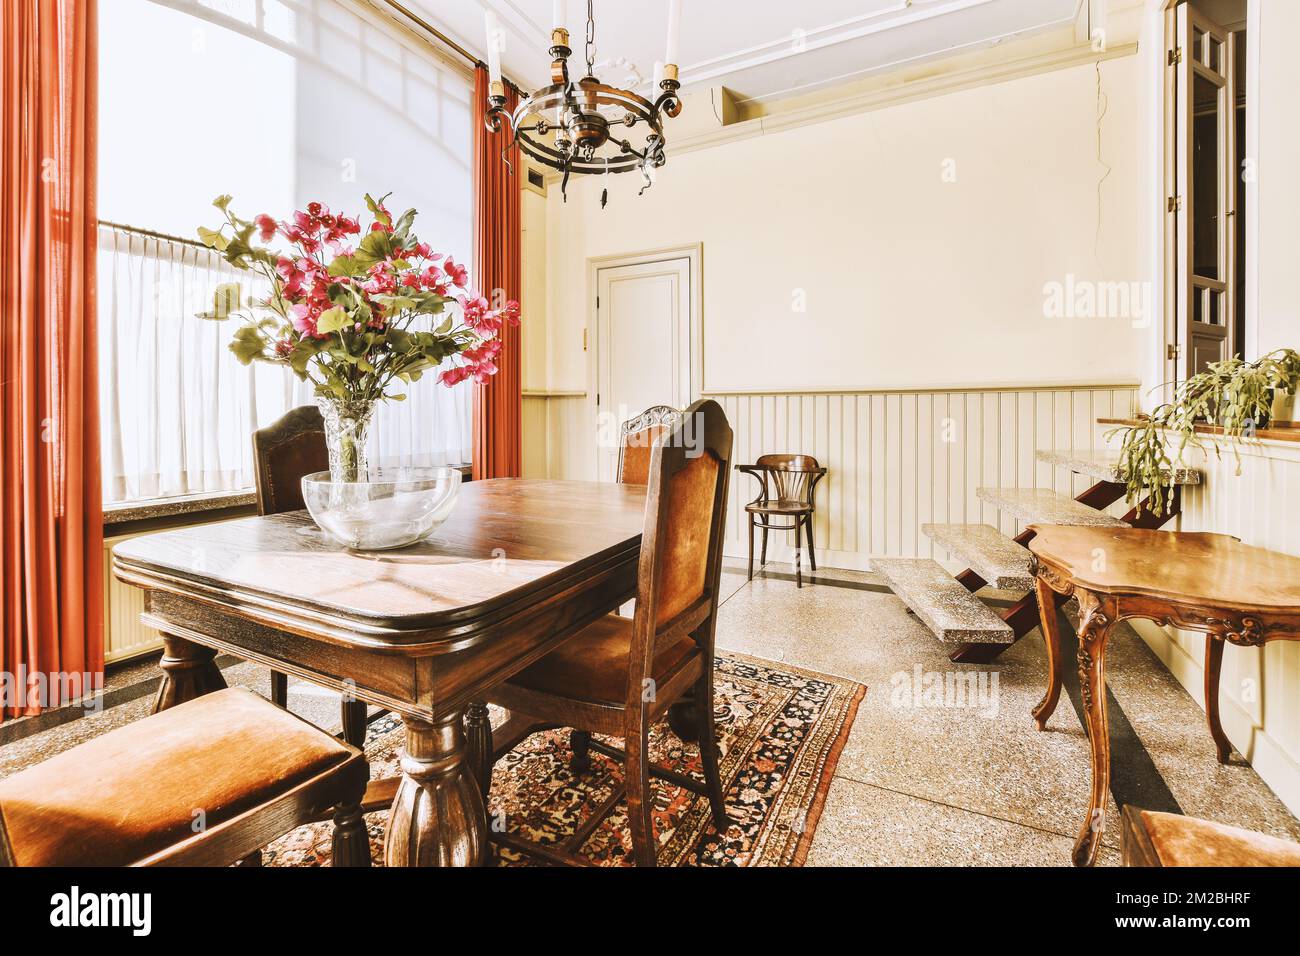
587 127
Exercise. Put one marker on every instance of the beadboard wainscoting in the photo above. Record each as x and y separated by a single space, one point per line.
895 459
1259 699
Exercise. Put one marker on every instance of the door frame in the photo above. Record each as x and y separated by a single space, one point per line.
694 253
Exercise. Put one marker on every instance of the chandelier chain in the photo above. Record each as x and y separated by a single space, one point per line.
591 38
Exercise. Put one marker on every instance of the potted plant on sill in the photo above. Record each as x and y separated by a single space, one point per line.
1236 396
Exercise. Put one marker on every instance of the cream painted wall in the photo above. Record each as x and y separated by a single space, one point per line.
907 280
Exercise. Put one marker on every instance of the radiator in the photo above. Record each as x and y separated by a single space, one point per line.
124 635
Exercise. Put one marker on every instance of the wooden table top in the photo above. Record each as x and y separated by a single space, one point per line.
1195 567
506 540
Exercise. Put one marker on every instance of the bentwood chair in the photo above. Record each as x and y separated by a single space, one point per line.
787 485
283 452
620 676
205 783
1149 838
636 438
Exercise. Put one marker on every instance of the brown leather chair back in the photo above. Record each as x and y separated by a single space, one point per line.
285 451
636 438
681 545
792 477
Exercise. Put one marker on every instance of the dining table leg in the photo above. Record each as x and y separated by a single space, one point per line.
437 817
189 671
1095 622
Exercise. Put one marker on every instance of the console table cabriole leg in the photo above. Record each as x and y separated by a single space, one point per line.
1096 619
1051 627
1213 667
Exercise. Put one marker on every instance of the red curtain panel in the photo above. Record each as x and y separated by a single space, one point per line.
497 404
51 523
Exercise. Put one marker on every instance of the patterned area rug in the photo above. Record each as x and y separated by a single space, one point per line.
780 731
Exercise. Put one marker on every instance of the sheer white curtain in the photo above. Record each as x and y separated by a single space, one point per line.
177 408
277 102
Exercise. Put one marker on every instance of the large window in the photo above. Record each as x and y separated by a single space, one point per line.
276 102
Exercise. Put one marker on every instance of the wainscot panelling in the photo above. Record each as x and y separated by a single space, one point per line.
1259 687
896 459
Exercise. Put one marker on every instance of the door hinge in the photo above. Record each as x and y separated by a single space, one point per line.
1173 351
1174 203
584 340
598 398
1175 56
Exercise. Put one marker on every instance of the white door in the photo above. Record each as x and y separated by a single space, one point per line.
643 345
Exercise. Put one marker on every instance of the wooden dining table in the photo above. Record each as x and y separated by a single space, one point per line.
425 631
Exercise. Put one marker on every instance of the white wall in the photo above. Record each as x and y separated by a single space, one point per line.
909 280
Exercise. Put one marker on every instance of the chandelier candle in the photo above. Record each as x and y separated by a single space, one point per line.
587 126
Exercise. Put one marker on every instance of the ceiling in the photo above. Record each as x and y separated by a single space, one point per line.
760 49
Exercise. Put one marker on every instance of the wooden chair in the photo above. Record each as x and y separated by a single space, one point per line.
620 676
1149 838
205 783
787 484
636 438
283 452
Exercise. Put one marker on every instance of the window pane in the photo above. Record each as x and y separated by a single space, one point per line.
278 103
1206 178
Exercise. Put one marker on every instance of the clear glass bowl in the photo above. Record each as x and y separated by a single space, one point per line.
396 507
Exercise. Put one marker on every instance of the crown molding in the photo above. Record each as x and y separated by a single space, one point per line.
906 92
985 75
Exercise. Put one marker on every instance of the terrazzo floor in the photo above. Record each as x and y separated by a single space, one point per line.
949 782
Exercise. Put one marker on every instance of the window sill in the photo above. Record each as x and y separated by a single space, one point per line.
153 513
152 508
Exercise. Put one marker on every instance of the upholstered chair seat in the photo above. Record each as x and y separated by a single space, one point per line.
1171 839
142 789
592 665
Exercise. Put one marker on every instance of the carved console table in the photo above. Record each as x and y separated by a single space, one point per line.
1195 581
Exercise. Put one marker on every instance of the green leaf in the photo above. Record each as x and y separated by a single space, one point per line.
346 265
213 239
221 202
226 301
373 205
333 320
249 344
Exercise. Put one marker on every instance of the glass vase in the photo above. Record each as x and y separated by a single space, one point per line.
347 425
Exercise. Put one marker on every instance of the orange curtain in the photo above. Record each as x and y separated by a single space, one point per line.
497 405
51 523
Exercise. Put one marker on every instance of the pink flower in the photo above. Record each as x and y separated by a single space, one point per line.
454 375
456 273
283 347
510 314
266 227
304 320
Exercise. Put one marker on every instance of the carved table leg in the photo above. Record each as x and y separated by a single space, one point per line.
478 745
1095 622
1050 625
1213 665
437 817
189 671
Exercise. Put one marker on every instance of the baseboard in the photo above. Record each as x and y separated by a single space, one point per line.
1273 764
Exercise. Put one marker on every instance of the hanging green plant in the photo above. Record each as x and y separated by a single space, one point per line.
1234 395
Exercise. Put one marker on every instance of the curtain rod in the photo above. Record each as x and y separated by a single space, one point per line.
446 40
153 234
